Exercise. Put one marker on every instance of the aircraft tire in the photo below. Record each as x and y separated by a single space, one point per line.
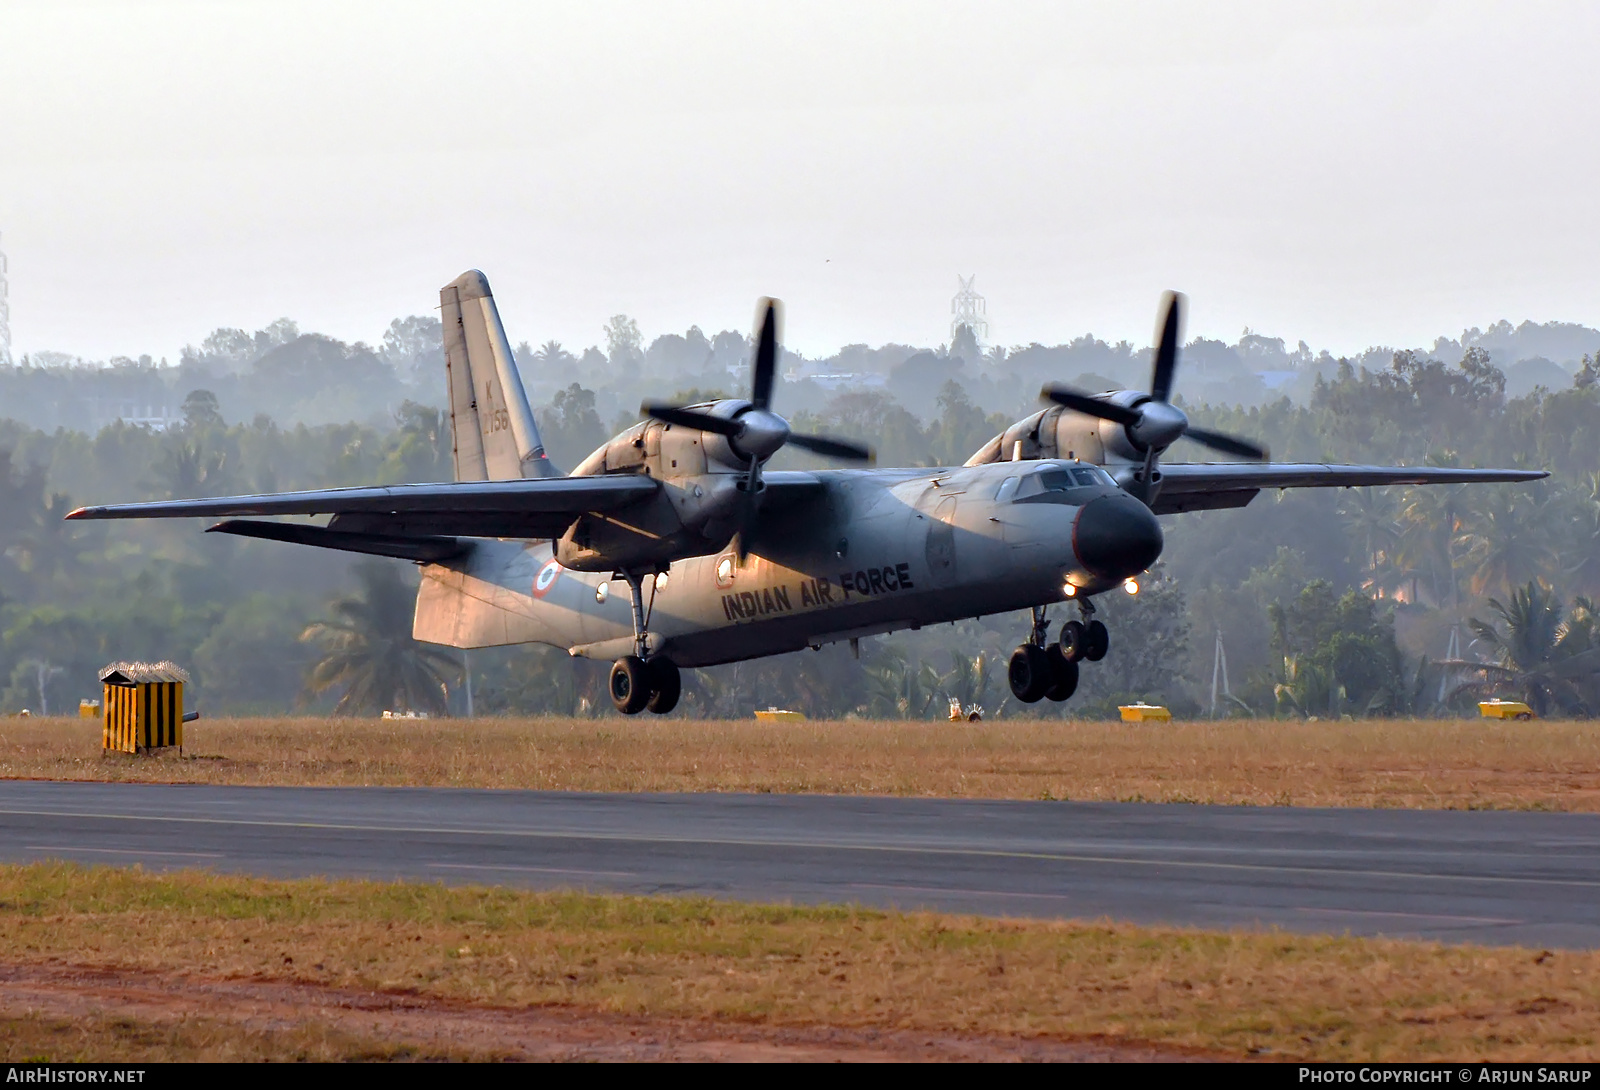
1074 641
1096 641
666 685
1029 673
630 684
1063 675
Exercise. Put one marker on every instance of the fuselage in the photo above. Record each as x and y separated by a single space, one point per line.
873 551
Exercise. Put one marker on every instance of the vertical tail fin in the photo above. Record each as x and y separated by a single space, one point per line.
493 434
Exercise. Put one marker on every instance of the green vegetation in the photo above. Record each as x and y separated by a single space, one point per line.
371 659
1327 603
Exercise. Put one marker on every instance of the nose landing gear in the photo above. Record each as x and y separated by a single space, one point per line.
641 680
1038 671
1085 639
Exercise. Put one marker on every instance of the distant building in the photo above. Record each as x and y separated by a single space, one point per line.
837 380
1276 380
102 412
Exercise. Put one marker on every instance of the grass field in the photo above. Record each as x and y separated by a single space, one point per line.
1459 764
476 949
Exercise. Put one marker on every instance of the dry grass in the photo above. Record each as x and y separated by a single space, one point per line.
1396 763
102 1038
1303 996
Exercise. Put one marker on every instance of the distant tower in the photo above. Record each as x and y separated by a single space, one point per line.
969 310
5 313
1219 673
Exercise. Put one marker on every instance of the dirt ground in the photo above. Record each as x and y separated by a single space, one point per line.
110 963
1428 764
190 1017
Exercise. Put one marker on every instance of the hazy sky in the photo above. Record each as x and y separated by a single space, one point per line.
1350 174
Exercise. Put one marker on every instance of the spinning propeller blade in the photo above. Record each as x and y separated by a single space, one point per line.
750 507
1166 359
690 418
765 367
1089 406
1227 444
834 448
1153 423
755 432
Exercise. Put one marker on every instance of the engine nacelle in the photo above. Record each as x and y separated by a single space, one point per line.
1119 445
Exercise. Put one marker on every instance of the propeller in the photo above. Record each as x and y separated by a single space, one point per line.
755 432
1152 423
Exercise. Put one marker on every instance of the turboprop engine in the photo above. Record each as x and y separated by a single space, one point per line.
747 433
1129 427
708 458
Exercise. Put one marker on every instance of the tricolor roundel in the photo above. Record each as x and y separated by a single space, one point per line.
546 578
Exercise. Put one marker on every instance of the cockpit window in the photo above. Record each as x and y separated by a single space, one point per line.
1055 479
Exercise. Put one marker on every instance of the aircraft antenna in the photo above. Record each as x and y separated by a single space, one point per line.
5 312
969 309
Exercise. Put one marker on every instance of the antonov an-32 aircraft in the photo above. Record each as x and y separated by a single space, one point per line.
672 545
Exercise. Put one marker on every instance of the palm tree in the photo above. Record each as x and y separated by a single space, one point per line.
897 690
553 358
188 470
1371 515
1431 519
1585 573
1549 660
1506 541
970 678
370 654
1309 688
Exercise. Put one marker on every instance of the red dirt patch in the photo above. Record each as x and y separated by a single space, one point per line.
540 1033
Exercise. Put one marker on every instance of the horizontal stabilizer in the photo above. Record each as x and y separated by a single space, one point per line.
558 494
424 549
537 508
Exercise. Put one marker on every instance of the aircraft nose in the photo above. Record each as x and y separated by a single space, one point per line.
1116 536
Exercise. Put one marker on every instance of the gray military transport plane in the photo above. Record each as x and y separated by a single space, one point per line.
672 546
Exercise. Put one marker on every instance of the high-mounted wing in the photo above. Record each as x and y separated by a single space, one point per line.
1201 486
519 508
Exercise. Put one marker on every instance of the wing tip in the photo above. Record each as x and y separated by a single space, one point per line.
80 513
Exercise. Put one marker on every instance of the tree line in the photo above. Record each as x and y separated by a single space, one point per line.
1397 601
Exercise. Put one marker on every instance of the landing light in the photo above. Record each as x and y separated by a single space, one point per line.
1069 590
1131 587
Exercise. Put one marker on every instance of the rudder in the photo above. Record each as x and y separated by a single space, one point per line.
493 433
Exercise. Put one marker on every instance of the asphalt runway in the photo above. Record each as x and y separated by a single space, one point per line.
1491 877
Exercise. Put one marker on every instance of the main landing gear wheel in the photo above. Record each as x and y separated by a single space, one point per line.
630 684
1074 641
1063 674
635 683
1030 673
1096 641
666 685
